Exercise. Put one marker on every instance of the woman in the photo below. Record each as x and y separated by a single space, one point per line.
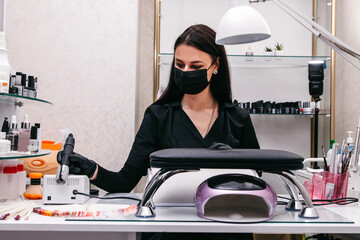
195 111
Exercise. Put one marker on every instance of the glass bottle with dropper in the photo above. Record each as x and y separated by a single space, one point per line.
24 134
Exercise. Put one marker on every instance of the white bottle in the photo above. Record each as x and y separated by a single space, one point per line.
329 153
9 180
350 140
4 86
21 177
39 137
4 144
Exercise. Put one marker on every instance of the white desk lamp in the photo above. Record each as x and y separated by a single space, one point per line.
243 24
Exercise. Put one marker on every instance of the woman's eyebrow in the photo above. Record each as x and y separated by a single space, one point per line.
178 60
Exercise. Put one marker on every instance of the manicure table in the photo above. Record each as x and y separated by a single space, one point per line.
150 218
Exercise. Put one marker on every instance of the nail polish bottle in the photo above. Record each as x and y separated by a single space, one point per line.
18 84
12 81
248 107
31 92
18 77
33 146
267 105
286 108
261 108
13 134
5 126
13 90
273 108
24 83
279 108
307 108
253 107
36 86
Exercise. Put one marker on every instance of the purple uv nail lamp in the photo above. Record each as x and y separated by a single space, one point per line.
235 198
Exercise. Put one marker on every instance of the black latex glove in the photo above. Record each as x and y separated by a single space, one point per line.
220 146
79 164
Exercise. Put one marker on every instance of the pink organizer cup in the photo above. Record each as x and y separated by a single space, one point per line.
326 185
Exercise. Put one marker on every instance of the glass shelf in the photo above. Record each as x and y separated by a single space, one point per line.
16 155
260 61
18 100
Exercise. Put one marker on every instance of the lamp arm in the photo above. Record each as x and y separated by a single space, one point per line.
343 52
335 43
321 33
297 15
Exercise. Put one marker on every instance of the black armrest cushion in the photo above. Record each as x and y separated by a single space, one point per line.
195 158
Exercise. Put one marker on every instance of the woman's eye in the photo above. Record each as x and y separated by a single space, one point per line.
181 66
196 67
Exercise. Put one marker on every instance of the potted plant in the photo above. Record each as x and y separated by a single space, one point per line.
268 51
279 49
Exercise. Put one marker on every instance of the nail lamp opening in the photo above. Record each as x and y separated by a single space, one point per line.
235 198
242 24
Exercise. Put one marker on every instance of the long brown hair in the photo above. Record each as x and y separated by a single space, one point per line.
202 37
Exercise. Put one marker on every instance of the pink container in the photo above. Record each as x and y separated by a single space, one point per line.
326 185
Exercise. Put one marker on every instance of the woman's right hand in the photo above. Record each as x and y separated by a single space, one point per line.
80 165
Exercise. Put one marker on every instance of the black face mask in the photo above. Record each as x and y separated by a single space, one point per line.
191 82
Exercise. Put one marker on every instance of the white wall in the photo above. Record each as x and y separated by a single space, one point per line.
145 59
84 54
347 96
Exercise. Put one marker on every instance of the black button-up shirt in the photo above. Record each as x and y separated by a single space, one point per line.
168 126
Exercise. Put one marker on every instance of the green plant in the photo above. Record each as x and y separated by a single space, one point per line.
267 49
279 46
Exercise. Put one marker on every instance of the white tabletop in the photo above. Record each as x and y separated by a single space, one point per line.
333 219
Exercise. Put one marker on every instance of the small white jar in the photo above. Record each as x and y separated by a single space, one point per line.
4 144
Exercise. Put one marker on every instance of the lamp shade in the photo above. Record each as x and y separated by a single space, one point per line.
242 24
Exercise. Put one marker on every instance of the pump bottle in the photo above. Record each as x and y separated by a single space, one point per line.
350 140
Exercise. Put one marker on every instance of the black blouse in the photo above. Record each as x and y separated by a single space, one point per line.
168 126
